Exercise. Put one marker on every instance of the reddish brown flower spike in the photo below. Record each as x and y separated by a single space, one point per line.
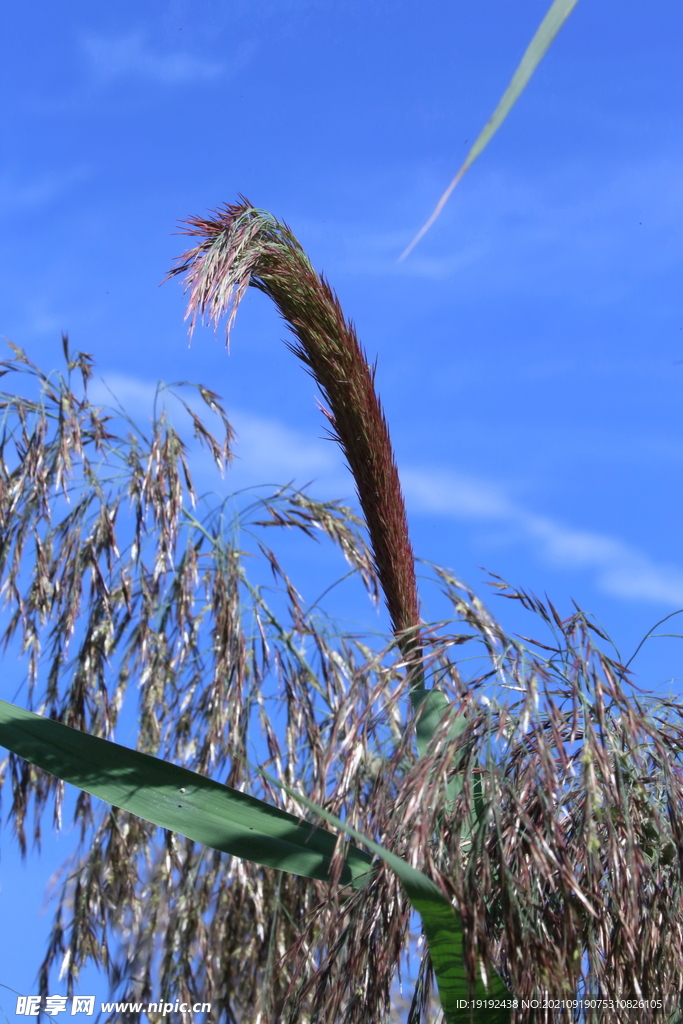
242 246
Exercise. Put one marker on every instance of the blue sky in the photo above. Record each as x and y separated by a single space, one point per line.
530 349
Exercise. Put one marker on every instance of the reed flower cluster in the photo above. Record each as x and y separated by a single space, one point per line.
543 803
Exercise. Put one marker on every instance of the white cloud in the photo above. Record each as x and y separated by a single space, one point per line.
549 234
129 56
135 395
268 447
20 192
619 569
268 451
452 494
376 253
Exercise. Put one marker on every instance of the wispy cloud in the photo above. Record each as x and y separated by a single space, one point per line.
21 192
267 446
268 451
129 56
618 568
621 570
135 395
454 495
605 222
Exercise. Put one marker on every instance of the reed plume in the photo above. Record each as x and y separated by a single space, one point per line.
241 246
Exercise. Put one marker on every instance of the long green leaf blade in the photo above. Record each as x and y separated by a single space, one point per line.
177 798
444 933
536 50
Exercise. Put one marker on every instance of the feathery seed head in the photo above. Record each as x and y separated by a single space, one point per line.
219 270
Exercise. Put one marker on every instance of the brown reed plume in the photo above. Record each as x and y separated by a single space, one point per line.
242 246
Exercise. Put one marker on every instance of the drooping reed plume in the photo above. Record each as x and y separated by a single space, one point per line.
242 246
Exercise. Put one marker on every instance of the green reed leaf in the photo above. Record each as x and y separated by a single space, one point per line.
536 50
177 798
429 714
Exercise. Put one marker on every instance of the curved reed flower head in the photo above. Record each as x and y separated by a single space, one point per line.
242 246
234 246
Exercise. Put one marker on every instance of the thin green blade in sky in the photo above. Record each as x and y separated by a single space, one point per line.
536 50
